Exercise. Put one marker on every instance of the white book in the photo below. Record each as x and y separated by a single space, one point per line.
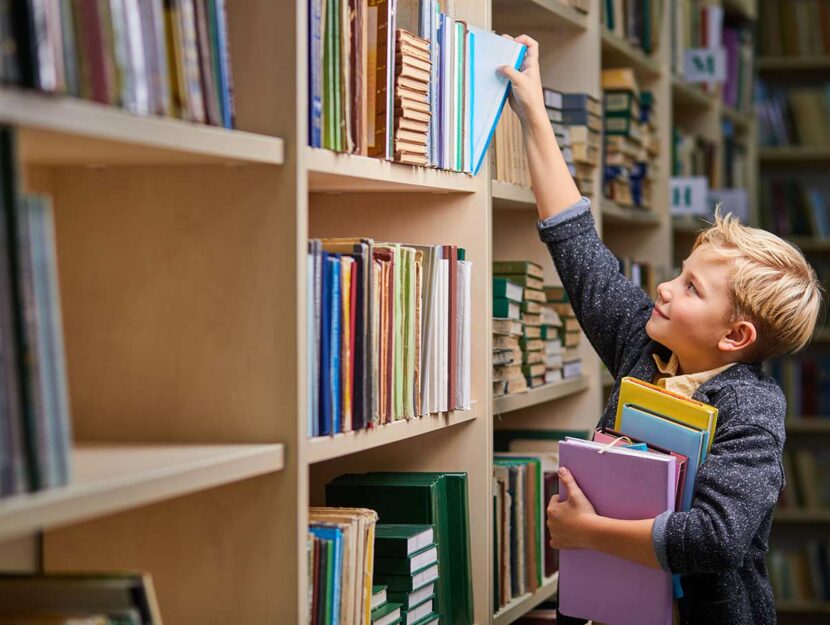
444 320
416 614
140 87
465 297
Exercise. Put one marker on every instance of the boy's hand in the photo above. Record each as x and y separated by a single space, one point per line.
568 520
526 97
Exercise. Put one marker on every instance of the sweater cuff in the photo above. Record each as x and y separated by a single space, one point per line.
573 221
658 535
572 211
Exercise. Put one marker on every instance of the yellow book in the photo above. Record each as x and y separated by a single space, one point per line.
677 407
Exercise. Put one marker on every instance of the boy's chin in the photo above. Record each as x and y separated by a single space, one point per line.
654 333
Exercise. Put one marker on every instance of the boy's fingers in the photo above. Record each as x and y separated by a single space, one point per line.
510 73
567 478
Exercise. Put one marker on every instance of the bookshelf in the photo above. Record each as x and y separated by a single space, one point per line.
521 605
540 395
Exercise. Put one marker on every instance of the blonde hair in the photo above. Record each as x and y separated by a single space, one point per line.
773 285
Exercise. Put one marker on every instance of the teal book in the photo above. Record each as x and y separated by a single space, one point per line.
416 597
386 614
404 583
402 539
488 88
408 564
507 289
506 309
517 267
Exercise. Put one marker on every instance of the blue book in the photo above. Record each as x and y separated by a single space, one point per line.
489 88
224 65
325 346
315 73
334 352
334 534
309 336
662 432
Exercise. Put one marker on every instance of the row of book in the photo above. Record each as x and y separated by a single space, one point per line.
738 91
795 206
35 421
793 115
805 378
523 483
800 574
404 80
794 27
632 145
807 473
151 57
645 466
735 159
693 155
694 25
388 333
636 21
421 548
101 598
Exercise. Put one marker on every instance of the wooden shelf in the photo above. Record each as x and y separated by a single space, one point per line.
517 16
810 607
113 478
811 425
687 94
768 64
741 121
617 52
797 155
524 604
330 447
58 130
613 213
802 516
512 196
540 395
331 172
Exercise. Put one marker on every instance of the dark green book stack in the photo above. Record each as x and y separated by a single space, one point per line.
436 499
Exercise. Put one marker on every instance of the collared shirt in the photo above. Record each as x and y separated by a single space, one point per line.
686 384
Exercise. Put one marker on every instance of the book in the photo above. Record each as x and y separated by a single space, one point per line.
379 595
386 614
410 563
507 288
520 267
402 540
621 484
416 597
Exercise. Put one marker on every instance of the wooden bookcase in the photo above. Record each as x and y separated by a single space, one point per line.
182 262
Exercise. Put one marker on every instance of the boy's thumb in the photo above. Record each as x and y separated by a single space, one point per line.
567 478
509 72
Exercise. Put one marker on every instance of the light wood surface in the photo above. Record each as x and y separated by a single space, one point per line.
540 395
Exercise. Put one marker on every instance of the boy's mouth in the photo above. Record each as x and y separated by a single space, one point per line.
659 313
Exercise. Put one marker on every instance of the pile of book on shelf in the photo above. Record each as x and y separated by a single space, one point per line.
569 335
793 28
149 57
648 466
577 123
636 21
406 574
412 106
341 559
358 57
436 500
519 523
805 380
807 474
552 339
632 145
35 421
795 206
98 598
800 573
793 115
388 333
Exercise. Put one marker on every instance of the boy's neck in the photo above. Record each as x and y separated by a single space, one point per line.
689 365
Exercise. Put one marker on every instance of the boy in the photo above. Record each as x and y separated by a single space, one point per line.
744 295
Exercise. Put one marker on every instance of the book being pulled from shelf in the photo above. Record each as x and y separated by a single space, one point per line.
388 332
78 599
341 559
148 56
437 501
35 422
800 573
373 64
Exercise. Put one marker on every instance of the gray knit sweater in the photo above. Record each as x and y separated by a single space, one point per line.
718 546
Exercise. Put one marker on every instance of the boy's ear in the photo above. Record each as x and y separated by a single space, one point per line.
742 335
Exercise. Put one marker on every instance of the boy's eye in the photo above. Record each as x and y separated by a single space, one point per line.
691 287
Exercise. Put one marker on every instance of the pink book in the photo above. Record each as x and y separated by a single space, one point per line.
621 484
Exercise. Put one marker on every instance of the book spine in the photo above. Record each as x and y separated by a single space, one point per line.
335 346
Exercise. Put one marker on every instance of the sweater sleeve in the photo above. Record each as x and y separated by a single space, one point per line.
736 487
611 309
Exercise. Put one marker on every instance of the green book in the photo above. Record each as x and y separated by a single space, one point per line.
531 307
380 595
621 104
507 267
621 127
506 309
507 289
530 345
439 499
410 583
329 605
428 620
531 371
511 440
386 613
409 600
402 539
407 564
522 279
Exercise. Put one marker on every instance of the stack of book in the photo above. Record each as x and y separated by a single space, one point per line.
407 566
412 107
577 123
509 157
507 333
151 58
570 333
388 333
35 421
78 599
801 573
631 141
636 21
435 499
519 523
341 560
529 276
552 328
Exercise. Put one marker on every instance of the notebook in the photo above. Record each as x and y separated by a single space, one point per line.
488 87
621 484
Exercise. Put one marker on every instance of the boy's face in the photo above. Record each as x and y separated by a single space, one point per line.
692 312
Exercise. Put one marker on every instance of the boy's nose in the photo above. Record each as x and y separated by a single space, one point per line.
663 292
